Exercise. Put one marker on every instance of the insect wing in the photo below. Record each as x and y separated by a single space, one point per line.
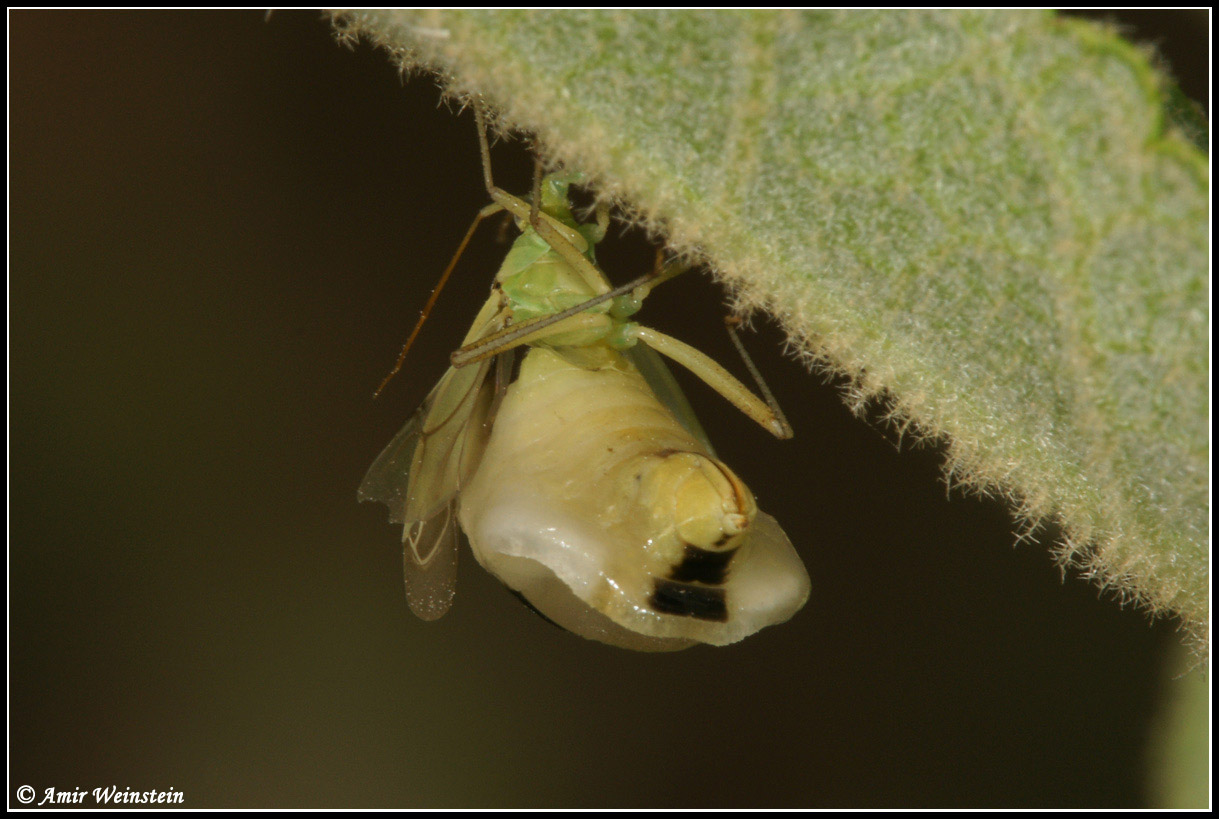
429 564
416 476
436 466
654 370
409 475
420 473
478 428
388 477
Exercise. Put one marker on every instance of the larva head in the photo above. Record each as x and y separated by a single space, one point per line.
700 516
696 502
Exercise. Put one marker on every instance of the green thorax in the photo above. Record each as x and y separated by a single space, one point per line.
538 281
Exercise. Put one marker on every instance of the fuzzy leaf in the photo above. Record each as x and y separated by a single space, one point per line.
986 219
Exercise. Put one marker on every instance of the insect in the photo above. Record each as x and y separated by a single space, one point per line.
585 484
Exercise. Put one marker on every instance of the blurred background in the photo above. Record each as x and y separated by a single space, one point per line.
222 229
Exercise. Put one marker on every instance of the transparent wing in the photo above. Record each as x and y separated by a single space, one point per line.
429 564
429 559
387 478
654 370
411 476
478 427
418 477
419 474
436 465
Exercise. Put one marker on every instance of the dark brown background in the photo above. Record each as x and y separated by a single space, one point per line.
221 231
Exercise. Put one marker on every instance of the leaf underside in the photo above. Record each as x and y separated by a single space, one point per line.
988 221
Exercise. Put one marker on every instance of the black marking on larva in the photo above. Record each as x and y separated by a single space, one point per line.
703 565
686 600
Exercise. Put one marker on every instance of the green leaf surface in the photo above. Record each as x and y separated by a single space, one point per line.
1179 740
987 220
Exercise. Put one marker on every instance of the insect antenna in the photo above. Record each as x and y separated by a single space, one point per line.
431 302
731 323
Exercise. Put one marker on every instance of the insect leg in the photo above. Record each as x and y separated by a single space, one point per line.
716 377
535 193
518 207
602 221
630 303
530 333
731 322
495 342
489 210
568 243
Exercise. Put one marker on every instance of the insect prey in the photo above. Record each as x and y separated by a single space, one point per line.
585 484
